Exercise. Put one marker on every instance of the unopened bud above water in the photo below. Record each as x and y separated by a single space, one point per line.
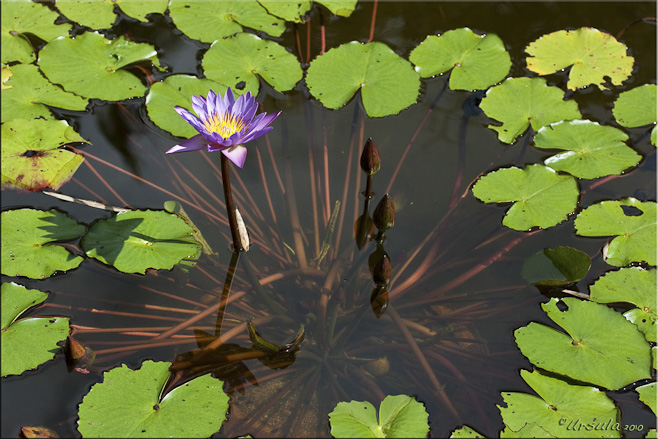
384 214
370 161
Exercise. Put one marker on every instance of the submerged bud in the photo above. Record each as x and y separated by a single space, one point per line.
381 274
384 214
379 301
370 161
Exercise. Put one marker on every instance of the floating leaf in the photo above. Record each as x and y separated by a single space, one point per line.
637 107
344 8
648 395
126 404
388 83
636 230
556 266
601 347
477 61
631 285
542 197
135 241
465 432
140 9
6 74
22 17
94 14
29 342
92 66
522 102
558 408
31 155
29 93
531 429
208 21
593 55
27 237
399 416
240 58
288 10
176 208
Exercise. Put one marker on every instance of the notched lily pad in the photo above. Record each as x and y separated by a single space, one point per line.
593 56
93 14
140 9
556 266
287 9
648 395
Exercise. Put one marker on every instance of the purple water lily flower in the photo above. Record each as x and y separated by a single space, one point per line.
224 124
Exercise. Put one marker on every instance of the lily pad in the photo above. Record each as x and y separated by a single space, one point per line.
399 416
25 17
600 347
388 83
27 242
636 107
465 432
29 93
631 285
592 150
135 241
648 395
542 197
559 407
477 61
519 103
127 404
30 342
556 266
208 21
140 9
635 230
92 66
287 9
344 8
31 155
531 429
593 55
94 14
239 59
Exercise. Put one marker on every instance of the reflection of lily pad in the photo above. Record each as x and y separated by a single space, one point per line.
541 197
27 235
127 404
477 61
92 66
635 227
522 102
240 58
399 416
289 10
600 347
592 150
631 285
556 266
559 405
388 83
30 342
138 240
593 55
31 155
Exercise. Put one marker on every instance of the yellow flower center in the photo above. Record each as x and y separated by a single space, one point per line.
224 124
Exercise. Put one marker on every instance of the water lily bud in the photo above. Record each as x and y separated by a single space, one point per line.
384 214
381 274
370 161
379 301
75 350
378 367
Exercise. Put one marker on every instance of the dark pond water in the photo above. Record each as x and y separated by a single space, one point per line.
465 330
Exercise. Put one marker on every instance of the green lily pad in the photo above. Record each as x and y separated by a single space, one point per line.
30 92
648 395
636 234
31 155
636 107
208 21
94 14
559 407
593 55
344 8
519 103
399 416
542 197
27 237
30 342
631 285
240 58
388 83
287 9
531 429
477 61
556 266
601 347
140 9
465 432
135 241
127 404
23 17
177 90
592 150
91 65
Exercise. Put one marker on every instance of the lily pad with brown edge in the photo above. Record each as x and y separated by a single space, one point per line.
591 150
135 241
630 285
556 266
520 103
28 342
542 197
32 153
632 222
599 346
593 56
477 61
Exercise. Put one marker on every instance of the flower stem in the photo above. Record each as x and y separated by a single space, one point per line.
230 207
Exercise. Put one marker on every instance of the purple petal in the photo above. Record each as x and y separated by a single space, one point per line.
210 103
230 97
199 106
256 134
237 154
249 112
191 119
264 121
192 144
